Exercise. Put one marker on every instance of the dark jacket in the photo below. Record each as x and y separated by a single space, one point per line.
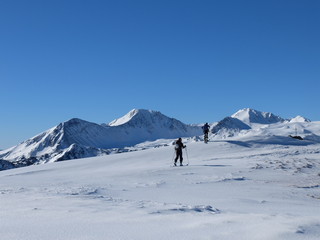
179 145
206 128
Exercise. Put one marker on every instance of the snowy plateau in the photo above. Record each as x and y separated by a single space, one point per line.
258 178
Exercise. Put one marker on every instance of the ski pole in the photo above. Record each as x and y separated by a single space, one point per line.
187 155
174 153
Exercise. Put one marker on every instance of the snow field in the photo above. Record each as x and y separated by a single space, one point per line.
231 190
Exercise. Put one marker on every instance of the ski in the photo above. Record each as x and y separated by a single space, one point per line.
180 165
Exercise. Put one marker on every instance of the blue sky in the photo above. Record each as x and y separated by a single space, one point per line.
197 61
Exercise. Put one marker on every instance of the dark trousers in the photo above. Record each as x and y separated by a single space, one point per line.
178 155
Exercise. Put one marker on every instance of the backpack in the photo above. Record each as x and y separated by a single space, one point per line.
176 147
206 127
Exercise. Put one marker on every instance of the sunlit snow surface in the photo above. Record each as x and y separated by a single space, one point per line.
232 189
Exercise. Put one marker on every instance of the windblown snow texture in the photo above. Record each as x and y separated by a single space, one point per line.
232 189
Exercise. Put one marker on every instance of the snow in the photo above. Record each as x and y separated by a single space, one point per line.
243 188
251 181
229 126
126 118
299 119
78 138
251 116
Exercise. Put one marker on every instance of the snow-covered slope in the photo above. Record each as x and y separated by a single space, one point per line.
256 184
77 138
231 190
73 137
135 113
250 116
248 123
144 125
299 119
229 126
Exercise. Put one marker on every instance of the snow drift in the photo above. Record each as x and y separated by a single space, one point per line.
230 190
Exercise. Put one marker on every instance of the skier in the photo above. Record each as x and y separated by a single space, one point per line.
179 146
206 129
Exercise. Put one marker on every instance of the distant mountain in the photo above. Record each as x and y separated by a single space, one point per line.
247 123
251 116
299 119
244 119
154 122
229 126
77 138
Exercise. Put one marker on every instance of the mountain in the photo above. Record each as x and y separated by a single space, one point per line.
75 137
229 126
263 126
299 119
154 122
251 116
78 138
141 125
243 119
6 165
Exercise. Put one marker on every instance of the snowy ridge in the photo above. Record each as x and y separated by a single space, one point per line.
229 126
77 138
250 116
250 123
129 116
300 119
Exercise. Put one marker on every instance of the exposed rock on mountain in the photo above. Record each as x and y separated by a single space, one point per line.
77 138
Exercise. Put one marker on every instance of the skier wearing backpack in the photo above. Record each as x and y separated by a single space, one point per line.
178 147
206 129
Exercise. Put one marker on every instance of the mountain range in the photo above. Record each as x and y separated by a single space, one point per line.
78 138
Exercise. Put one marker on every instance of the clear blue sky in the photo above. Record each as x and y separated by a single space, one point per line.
197 61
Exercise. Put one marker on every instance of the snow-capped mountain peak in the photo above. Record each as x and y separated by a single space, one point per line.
299 119
126 118
150 125
137 115
249 116
229 126
142 118
78 138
